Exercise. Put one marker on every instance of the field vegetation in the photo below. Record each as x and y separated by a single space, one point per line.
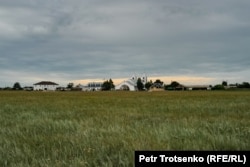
105 128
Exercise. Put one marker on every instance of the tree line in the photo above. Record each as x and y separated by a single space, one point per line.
174 85
109 85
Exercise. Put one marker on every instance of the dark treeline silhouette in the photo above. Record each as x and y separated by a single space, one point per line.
174 85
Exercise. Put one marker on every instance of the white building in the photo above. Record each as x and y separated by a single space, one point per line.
45 85
131 84
92 86
192 87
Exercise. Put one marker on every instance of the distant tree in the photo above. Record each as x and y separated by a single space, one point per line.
17 86
148 84
158 81
112 86
168 87
174 84
218 87
140 85
224 83
70 85
108 85
244 85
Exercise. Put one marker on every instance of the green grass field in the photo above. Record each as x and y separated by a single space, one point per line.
105 128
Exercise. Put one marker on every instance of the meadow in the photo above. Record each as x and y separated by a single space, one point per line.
105 128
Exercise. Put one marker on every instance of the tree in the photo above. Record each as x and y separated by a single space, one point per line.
112 86
218 87
70 85
158 81
172 85
108 85
244 85
224 83
17 86
148 84
139 83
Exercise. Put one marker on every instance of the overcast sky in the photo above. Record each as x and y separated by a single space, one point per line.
78 40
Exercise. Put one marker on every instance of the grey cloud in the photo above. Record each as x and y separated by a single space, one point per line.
86 39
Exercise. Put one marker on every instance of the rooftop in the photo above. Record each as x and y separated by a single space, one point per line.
46 83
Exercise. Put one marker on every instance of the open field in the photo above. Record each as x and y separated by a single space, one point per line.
105 128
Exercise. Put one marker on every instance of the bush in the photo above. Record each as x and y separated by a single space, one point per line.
218 87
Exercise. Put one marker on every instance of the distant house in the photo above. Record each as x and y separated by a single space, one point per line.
231 86
45 85
193 87
156 87
94 86
91 86
76 88
198 87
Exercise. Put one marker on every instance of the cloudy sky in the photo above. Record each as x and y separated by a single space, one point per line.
191 41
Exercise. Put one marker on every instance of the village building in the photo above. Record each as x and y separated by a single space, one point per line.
198 87
45 85
91 86
131 83
156 87
95 86
193 87
231 86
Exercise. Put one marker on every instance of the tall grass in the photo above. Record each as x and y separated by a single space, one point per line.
105 128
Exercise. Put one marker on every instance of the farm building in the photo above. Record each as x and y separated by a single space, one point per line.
95 86
91 86
193 87
131 84
198 87
45 85
156 87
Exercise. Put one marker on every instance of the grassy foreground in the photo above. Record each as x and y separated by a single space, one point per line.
105 128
